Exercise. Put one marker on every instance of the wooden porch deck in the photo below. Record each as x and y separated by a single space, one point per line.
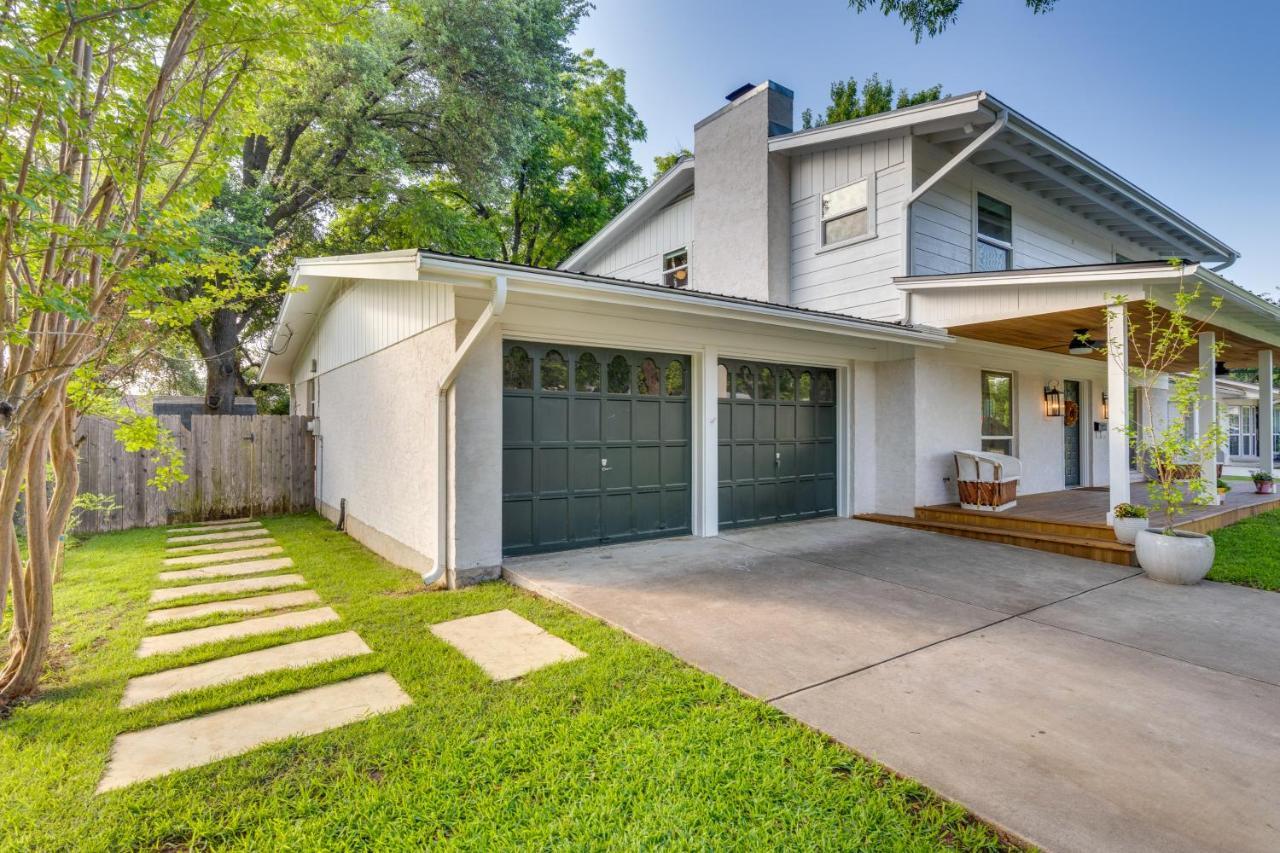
1073 522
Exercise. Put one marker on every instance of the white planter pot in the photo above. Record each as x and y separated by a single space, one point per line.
1183 558
1127 529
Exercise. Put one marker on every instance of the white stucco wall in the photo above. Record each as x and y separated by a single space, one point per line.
377 420
948 416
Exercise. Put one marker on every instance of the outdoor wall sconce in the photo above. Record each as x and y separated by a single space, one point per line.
1106 407
1220 370
1052 401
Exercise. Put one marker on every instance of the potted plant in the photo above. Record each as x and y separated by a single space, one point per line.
1129 519
1159 344
1223 487
1263 483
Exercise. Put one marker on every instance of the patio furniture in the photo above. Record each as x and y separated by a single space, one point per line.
987 481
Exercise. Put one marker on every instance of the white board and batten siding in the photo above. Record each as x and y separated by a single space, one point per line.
638 255
944 223
368 316
855 279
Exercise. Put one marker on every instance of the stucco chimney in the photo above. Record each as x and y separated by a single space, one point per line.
741 202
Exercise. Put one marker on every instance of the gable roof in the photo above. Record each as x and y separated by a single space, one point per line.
1033 158
1023 153
673 183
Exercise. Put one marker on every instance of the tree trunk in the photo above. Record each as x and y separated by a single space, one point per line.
222 363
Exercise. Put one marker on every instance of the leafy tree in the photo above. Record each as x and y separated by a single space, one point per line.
115 118
663 162
877 97
427 88
575 173
932 16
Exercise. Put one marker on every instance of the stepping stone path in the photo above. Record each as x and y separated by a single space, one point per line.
250 567
257 604
504 644
173 593
220 546
193 742
223 556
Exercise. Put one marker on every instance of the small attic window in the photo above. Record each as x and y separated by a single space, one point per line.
675 268
846 214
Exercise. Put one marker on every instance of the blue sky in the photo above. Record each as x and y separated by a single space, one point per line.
1182 97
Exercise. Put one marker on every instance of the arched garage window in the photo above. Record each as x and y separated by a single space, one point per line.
555 373
586 375
517 370
675 379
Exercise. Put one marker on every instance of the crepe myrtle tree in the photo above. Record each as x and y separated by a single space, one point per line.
1160 340
115 120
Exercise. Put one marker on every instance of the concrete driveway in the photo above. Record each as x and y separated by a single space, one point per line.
1075 704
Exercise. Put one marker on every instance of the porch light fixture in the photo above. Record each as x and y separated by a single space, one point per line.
1052 401
1106 407
1082 344
1221 371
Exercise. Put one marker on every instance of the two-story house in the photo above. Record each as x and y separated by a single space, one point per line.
787 324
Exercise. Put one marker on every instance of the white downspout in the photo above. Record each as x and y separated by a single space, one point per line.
486 321
1002 119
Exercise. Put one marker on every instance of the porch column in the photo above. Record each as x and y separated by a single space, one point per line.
1266 409
707 436
1208 410
1117 407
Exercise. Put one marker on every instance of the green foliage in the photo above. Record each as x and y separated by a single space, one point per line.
663 162
144 432
1130 511
1261 477
574 173
90 502
1160 340
931 16
877 96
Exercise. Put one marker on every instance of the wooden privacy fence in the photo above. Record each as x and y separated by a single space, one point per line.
235 465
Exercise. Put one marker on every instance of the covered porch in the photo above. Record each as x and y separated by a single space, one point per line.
1074 312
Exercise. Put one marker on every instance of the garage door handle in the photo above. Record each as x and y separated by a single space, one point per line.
604 465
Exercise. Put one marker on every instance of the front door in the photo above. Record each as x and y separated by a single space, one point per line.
1071 414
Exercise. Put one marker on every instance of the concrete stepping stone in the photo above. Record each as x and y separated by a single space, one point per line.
172 593
222 556
161 685
221 522
240 525
504 644
256 604
221 546
252 567
149 753
214 537
179 640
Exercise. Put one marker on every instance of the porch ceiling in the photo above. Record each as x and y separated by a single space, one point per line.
1053 332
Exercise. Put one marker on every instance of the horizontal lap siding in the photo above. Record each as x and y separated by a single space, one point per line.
856 279
638 255
1044 234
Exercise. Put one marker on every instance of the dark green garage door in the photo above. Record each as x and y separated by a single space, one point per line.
777 443
595 448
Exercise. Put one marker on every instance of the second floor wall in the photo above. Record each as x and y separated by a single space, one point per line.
855 275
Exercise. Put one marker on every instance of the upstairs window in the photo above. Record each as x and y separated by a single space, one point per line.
995 235
675 268
846 214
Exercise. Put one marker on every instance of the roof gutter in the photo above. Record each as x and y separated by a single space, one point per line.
1002 120
488 318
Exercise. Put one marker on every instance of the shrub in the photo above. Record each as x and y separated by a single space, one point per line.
1130 511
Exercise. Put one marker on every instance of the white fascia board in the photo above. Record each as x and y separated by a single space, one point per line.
920 119
1157 272
551 284
1052 143
656 196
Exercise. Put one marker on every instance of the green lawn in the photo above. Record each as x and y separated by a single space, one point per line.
627 748
1248 552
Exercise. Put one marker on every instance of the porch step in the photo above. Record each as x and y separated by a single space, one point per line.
1005 521
1103 550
